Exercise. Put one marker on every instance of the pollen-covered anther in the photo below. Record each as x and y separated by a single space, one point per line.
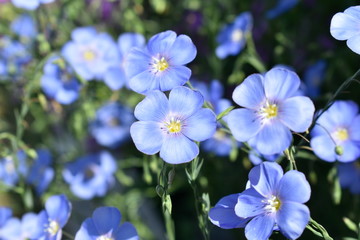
341 134
104 238
173 126
269 111
160 64
272 204
89 55
53 227
237 35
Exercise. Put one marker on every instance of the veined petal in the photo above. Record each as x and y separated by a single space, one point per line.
243 123
106 219
223 214
250 93
273 138
174 76
250 204
292 218
324 147
351 151
83 35
126 232
154 107
280 83
294 187
147 136
137 61
200 126
182 51
58 208
178 149
264 178
184 101
144 82
260 227
161 42
354 129
352 42
344 26
297 113
127 41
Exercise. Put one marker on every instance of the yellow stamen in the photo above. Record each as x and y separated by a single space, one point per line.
272 204
341 134
237 35
160 64
53 228
173 126
104 238
89 55
269 110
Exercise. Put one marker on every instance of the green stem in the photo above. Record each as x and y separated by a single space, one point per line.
318 230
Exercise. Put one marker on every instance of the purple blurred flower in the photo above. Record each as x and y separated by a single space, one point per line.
349 176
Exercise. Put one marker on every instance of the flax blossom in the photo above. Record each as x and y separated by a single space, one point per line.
160 66
172 125
270 111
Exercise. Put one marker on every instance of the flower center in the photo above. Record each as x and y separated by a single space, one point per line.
219 135
103 237
237 35
173 126
269 111
9 165
89 55
272 204
341 134
160 64
53 228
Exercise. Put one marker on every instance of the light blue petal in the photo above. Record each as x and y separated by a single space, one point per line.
87 231
352 42
11 229
66 96
182 51
216 91
341 113
260 227
58 208
280 83
178 149
344 26
184 101
250 93
106 219
221 51
250 204
30 226
354 129
147 136
351 151
174 76
281 7
154 107
26 4
144 82
200 126
5 214
50 85
275 133
294 187
323 147
243 123
115 78
264 178
84 35
126 231
297 113
161 42
126 41
292 218
223 213
136 62
107 163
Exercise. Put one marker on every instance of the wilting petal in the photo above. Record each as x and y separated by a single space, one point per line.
200 126
293 186
260 227
280 83
147 136
178 149
243 123
154 107
250 93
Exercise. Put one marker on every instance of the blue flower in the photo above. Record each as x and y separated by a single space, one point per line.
232 37
105 224
172 125
59 81
349 176
12 169
56 214
5 214
111 126
115 77
91 53
40 172
336 135
29 4
256 158
91 175
24 26
345 26
281 7
270 110
160 66
313 78
273 201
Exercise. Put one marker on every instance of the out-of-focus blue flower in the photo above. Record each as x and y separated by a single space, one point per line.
12 169
256 157
59 81
24 26
270 110
172 125
111 126
281 7
13 57
30 4
27 228
232 37
91 53
345 26
115 77
56 214
91 175
349 176
105 224
313 78
221 142
5 214
273 200
336 135
40 172
160 66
